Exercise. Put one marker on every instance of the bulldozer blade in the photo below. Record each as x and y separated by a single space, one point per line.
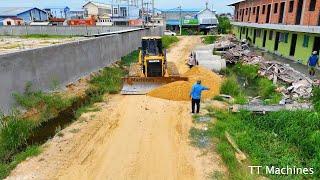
143 85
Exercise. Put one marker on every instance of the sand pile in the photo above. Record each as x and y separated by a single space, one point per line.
180 90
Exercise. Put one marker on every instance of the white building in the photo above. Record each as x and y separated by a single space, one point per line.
104 21
97 9
207 17
13 21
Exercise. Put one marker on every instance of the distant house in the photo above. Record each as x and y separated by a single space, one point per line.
207 19
96 9
124 13
104 21
76 14
58 12
13 21
28 15
173 21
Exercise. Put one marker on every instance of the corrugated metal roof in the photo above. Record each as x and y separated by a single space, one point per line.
182 10
172 22
236 2
98 4
13 11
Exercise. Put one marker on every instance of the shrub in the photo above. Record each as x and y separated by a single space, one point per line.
224 26
230 87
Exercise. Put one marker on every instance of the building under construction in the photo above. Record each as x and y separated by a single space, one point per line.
287 28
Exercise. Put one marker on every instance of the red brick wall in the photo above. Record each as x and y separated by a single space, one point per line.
308 17
311 17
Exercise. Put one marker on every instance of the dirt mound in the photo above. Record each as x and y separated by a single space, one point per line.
180 90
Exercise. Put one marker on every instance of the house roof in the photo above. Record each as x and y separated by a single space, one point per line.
178 10
98 4
14 18
14 11
236 2
206 10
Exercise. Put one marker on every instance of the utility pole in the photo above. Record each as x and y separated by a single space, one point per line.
180 24
142 13
153 12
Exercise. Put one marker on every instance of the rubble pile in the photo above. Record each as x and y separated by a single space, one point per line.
299 84
224 43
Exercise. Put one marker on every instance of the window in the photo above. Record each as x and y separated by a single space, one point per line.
291 4
312 5
263 9
115 11
258 33
270 35
254 10
305 41
123 11
275 10
246 11
284 37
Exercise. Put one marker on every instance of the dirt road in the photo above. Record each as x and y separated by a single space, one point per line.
132 137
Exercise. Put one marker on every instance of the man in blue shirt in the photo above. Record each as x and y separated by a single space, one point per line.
313 62
195 94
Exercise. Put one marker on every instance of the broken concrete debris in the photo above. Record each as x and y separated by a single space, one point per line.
299 85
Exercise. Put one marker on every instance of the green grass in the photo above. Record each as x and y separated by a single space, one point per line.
209 39
230 86
250 72
316 98
276 139
241 98
5 168
167 41
44 36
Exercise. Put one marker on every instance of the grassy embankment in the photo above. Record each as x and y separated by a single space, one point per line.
280 139
15 130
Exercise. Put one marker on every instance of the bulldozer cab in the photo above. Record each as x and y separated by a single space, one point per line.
152 46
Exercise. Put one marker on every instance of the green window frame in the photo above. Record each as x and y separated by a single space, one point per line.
305 41
286 37
270 35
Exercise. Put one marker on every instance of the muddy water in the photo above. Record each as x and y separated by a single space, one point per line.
49 128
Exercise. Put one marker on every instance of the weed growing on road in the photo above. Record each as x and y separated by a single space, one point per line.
209 39
167 41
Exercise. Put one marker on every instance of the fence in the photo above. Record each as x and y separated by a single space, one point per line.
59 30
64 63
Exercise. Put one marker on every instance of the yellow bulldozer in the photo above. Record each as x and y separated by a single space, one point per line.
151 71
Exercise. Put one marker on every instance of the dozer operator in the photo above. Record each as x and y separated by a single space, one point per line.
151 70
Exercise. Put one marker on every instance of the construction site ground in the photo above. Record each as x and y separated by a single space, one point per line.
9 44
131 137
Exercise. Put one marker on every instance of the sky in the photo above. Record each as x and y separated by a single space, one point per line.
219 5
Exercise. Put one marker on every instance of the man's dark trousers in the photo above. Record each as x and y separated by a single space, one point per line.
195 102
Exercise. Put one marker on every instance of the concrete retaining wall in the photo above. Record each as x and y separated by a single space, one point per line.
63 63
59 30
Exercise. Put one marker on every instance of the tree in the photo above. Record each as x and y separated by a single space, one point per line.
224 26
